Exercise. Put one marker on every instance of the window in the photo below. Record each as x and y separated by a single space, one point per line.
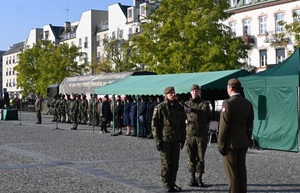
232 3
85 42
280 55
97 40
296 15
143 8
263 58
232 25
120 34
113 35
129 13
247 27
262 25
247 2
46 35
278 19
79 42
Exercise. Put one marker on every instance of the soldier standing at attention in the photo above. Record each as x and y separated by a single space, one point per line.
84 108
62 106
68 112
74 111
168 128
198 115
235 130
38 108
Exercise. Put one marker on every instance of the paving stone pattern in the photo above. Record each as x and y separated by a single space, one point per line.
50 158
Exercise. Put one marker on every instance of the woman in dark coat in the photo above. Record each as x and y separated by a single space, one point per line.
126 117
133 118
119 116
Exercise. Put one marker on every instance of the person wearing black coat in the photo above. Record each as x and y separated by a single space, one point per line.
150 108
106 114
119 116
142 117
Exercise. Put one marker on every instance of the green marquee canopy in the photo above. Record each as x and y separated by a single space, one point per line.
213 84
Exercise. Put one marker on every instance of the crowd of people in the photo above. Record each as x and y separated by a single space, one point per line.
173 121
102 111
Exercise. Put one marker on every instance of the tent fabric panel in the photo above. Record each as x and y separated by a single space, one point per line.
276 117
155 85
269 81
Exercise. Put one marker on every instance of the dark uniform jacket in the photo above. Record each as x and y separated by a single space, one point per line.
236 120
168 123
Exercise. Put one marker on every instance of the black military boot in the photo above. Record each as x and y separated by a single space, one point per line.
193 181
199 180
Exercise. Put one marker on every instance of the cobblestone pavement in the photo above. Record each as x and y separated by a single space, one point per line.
52 158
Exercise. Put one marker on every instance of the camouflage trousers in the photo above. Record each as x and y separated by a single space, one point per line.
196 148
169 157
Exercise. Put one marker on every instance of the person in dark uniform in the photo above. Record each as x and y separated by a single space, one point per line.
106 114
198 116
234 138
169 133
142 116
150 108
119 116
38 108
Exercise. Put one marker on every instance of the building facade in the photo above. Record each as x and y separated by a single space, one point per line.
258 22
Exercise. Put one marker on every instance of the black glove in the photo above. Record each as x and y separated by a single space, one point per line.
182 144
159 145
222 151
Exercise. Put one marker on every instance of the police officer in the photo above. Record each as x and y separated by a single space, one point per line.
234 138
198 116
168 128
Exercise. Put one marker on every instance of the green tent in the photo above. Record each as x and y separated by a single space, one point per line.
274 95
213 84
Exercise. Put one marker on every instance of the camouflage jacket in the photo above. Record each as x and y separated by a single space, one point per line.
198 119
168 122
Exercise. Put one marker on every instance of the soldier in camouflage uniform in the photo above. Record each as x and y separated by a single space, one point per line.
79 120
74 111
53 104
169 133
84 108
90 109
57 108
68 112
198 116
62 106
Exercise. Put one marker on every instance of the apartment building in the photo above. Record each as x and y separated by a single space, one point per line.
10 60
1 64
258 22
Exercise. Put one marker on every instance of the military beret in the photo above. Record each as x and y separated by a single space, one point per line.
169 89
195 87
234 82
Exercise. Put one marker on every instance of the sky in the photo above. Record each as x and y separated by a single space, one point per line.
18 17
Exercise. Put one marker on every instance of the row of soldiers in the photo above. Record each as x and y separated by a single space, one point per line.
75 109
